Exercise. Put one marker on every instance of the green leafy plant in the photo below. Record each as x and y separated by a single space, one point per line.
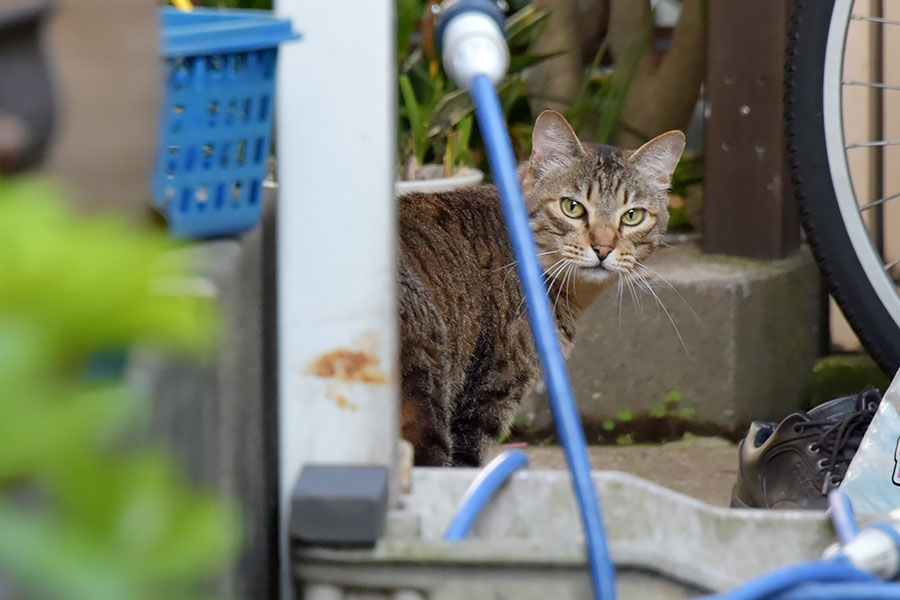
435 116
88 509
625 440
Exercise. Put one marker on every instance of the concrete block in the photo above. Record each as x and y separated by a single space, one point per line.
339 505
744 348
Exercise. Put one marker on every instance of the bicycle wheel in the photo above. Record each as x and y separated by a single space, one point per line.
837 169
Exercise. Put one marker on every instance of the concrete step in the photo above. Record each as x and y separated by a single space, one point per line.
746 341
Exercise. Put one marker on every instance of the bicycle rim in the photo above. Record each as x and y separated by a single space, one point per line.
836 146
830 211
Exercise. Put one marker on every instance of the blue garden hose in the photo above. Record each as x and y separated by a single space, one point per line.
543 328
843 591
781 580
837 577
842 516
482 489
475 54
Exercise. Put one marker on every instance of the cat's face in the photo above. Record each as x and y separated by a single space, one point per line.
598 208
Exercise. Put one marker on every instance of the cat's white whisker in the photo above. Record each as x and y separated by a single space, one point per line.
556 270
513 263
564 284
551 271
658 277
556 276
548 272
559 290
574 283
634 297
642 285
619 291
666 310
508 265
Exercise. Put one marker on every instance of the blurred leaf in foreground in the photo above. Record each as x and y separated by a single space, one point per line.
88 510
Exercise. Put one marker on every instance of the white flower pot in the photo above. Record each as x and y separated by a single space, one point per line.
433 182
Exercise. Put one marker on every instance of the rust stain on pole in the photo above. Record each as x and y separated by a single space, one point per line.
346 364
335 393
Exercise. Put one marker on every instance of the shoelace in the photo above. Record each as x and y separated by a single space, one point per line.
840 439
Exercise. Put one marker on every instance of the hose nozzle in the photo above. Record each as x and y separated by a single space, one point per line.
471 39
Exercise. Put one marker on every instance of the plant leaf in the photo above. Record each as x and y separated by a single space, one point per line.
448 112
523 26
415 118
520 63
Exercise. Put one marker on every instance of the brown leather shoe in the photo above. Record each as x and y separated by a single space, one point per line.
793 464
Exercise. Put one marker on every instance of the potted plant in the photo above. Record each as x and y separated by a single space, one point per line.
437 146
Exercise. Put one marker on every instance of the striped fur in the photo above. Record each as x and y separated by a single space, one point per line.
466 352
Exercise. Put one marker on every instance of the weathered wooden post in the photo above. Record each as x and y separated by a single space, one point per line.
748 207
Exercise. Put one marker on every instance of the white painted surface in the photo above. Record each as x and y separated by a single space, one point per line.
337 236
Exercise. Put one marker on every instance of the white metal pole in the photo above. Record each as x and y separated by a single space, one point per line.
337 335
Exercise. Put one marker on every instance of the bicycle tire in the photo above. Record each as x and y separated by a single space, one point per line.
820 214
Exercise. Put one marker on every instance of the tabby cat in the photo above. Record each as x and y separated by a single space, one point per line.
466 352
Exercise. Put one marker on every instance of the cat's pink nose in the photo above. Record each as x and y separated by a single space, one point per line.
602 251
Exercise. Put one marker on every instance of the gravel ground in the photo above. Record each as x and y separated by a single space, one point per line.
702 467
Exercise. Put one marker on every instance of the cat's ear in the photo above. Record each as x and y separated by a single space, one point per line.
554 143
656 159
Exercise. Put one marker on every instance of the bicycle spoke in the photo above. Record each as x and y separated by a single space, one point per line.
878 202
875 20
872 84
890 266
874 144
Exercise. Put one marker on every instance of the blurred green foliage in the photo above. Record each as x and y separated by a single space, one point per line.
840 375
435 116
88 509
596 110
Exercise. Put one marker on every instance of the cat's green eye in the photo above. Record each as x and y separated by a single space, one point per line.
634 217
572 208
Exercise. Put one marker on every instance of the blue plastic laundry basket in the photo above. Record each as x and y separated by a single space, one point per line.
215 118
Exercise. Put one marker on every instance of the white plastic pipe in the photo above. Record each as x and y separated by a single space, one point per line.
474 45
337 315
